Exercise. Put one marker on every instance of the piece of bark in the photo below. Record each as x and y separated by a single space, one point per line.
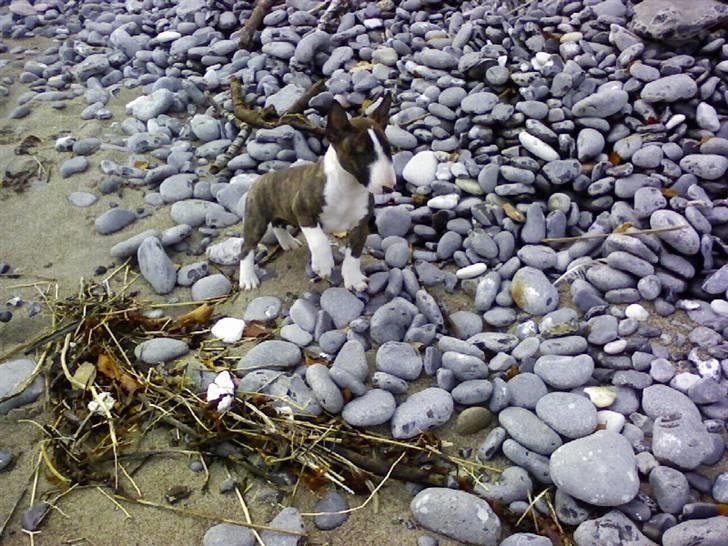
262 7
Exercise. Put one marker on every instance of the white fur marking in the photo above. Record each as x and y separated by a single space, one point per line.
381 172
346 201
322 260
248 278
354 279
285 239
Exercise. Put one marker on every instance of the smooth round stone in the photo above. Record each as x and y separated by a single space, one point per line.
227 534
669 89
327 393
599 469
526 539
271 354
444 202
720 488
114 220
376 407
212 286
73 166
327 509
228 329
570 415
707 166
420 170
564 372
602 531
533 292
82 199
394 221
601 105
479 103
458 515
670 489
390 321
589 144
263 308
472 420
537 147
526 389
635 311
529 431
471 271
160 349
610 420
703 532
13 375
421 412
341 305
399 359
155 266
287 519
474 391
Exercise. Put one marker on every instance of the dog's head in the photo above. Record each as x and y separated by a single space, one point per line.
362 147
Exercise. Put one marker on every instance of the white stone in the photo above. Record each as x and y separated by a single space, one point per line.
601 397
720 307
168 36
674 121
611 420
421 169
228 329
449 201
471 271
615 347
636 312
222 390
537 147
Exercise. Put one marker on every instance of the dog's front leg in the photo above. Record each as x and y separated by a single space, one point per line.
354 279
322 260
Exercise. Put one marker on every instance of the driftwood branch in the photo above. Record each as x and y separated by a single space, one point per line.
266 118
262 7
254 118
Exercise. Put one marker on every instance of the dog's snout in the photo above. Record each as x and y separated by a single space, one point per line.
387 189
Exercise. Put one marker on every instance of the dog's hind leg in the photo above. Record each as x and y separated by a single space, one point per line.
285 239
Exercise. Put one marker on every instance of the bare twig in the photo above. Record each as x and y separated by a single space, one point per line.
262 7
604 235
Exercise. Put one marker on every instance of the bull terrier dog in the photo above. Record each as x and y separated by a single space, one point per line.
333 195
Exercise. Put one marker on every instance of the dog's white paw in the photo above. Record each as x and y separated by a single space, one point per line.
248 278
323 267
356 282
249 282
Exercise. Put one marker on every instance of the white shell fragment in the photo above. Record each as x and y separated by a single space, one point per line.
102 404
228 329
222 391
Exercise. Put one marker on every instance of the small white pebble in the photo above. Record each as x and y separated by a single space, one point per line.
611 420
449 201
636 312
674 121
601 397
571 37
720 307
615 347
471 271
683 381
228 329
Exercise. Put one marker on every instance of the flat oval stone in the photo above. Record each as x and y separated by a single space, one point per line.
421 412
529 431
457 515
376 407
600 469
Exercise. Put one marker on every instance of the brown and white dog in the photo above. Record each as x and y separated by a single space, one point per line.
333 195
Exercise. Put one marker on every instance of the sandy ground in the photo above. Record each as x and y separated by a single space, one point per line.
53 244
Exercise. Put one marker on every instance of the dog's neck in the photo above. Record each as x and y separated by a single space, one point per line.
336 174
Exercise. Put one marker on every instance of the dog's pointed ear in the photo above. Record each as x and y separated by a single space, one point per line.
381 113
337 124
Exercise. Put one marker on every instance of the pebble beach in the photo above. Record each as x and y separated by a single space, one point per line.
547 296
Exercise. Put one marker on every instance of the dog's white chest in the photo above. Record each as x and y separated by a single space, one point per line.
344 207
